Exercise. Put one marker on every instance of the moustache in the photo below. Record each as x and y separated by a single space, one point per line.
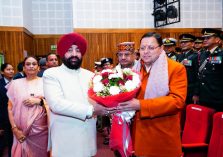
73 57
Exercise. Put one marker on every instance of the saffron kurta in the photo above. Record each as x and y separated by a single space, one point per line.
71 134
156 130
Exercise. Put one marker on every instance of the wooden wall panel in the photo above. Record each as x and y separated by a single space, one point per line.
13 42
101 42
42 43
28 43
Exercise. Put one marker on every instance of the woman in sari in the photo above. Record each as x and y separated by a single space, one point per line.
27 113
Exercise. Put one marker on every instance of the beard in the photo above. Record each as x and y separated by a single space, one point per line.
72 64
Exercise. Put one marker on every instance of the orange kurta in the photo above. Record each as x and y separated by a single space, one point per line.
156 131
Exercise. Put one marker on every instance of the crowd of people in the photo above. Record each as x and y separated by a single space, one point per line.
45 106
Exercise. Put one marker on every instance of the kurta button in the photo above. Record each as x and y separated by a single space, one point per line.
204 68
202 83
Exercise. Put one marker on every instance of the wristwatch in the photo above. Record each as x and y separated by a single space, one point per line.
41 102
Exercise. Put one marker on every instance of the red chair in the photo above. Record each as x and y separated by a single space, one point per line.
215 148
197 130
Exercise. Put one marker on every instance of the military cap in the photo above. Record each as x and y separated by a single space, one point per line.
126 46
199 40
208 32
169 41
106 60
97 64
186 37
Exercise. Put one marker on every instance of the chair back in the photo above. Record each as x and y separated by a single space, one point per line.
198 124
215 148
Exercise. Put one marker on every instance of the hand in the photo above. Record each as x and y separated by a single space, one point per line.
100 109
129 105
19 135
195 99
32 101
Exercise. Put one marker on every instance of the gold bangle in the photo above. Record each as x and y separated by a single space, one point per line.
13 127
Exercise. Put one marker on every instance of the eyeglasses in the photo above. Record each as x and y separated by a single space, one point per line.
151 48
123 54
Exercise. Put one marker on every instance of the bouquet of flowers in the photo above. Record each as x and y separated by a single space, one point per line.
111 87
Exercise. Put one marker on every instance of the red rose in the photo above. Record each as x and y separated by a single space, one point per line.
105 81
129 77
105 75
121 82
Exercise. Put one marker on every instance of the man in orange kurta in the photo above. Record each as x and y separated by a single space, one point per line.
156 126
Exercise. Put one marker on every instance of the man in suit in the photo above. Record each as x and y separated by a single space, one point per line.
211 70
72 121
20 73
189 59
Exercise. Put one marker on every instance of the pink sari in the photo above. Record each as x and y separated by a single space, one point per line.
31 120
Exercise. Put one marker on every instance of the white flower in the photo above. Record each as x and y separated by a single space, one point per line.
114 90
97 79
98 87
130 85
113 76
127 71
119 71
136 79
107 70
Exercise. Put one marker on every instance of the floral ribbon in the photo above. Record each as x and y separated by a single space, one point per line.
124 119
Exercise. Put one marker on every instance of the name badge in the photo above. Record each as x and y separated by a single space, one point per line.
215 60
187 62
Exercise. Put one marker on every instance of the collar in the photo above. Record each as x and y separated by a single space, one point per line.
145 68
6 80
70 70
213 49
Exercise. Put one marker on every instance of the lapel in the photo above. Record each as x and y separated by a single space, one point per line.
2 84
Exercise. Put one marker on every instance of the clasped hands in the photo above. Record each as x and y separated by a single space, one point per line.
32 101
130 105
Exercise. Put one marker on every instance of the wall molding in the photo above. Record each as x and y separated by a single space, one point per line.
137 30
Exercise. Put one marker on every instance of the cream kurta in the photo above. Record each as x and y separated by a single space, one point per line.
70 133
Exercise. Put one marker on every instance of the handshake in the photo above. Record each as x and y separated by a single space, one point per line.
131 105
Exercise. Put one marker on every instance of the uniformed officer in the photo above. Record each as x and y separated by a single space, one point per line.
97 67
107 63
211 71
189 59
169 47
198 47
198 43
